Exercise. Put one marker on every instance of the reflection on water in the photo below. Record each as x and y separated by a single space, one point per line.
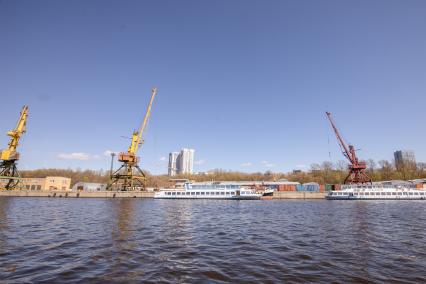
135 240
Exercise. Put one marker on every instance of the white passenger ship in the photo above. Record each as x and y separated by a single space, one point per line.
208 191
376 192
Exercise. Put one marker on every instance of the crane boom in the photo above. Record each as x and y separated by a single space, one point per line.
346 151
10 152
137 135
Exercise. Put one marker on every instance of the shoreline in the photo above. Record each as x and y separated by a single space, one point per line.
137 194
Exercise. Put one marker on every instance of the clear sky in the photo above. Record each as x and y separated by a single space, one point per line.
244 83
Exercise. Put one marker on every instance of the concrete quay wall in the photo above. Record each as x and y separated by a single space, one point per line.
298 195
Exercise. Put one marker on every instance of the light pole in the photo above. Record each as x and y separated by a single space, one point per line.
112 163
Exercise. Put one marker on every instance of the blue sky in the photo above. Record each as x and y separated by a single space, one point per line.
244 83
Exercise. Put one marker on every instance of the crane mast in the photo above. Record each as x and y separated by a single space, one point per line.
10 156
356 168
129 176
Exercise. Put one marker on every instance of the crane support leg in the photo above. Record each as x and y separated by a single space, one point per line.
9 172
357 177
127 177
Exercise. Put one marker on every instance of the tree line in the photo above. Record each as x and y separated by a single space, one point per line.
324 173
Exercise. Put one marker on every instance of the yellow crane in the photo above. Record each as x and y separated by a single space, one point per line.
129 176
9 156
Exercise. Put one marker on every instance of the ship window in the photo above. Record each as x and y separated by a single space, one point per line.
228 193
198 193
388 193
399 193
393 193
355 193
222 193
168 193
173 193
207 193
383 193
422 193
377 193
203 193
233 192
416 193
217 193
367 193
410 193
178 193
192 193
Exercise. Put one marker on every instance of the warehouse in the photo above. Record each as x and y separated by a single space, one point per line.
47 183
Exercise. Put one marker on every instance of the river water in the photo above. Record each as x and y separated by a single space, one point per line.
57 240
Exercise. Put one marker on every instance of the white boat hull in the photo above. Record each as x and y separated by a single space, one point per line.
376 193
207 194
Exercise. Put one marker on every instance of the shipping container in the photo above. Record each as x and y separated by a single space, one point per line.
286 187
311 186
329 187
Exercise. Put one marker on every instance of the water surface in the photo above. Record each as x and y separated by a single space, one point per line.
203 241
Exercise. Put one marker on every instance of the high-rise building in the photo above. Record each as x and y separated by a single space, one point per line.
186 161
173 157
181 163
404 158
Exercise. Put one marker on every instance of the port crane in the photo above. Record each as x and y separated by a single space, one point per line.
10 156
130 176
357 168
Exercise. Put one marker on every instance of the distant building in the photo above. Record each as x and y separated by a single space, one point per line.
403 158
181 163
186 161
173 163
47 183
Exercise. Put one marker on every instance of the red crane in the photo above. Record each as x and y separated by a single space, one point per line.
356 168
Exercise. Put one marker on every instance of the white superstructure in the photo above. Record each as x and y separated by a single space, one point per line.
374 192
208 191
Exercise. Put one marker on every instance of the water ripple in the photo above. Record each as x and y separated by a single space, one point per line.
196 241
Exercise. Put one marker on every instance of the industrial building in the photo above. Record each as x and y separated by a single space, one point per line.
47 183
89 186
181 163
